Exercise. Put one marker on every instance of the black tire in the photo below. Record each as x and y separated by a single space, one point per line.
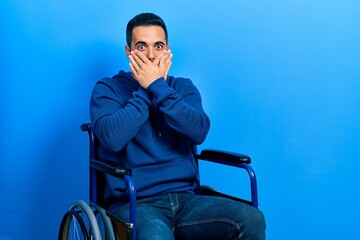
68 227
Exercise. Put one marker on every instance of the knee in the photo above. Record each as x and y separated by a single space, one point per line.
254 226
155 230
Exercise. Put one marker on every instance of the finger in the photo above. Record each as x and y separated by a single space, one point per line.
168 68
133 64
133 70
159 58
168 65
137 60
168 59
140 57
167 71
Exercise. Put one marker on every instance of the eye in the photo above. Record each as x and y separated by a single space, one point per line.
159 46
141 47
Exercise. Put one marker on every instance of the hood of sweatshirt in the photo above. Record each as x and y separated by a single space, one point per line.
126 80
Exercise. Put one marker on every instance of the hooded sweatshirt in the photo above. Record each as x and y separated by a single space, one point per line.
150 131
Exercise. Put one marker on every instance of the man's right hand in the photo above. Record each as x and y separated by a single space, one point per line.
146 71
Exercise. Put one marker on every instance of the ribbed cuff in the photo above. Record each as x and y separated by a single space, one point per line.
143 94
159 89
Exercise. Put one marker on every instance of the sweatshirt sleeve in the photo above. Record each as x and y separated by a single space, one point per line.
182 108
116 120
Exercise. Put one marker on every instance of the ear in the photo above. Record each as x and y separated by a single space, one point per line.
127 50
167 46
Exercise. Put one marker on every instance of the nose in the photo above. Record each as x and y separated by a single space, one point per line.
151 54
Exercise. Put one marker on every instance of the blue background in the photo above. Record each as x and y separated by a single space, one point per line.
280 81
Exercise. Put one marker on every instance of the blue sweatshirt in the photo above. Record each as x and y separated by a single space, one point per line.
150 131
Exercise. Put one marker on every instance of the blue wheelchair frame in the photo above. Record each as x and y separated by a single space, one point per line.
106 167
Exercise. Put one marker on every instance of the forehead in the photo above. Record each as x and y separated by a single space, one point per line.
148 34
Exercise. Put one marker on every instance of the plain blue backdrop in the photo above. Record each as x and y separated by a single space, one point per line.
280 81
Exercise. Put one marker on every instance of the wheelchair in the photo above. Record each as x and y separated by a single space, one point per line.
92 221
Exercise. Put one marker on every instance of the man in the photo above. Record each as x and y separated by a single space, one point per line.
147 121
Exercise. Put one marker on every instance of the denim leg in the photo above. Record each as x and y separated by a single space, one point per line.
208 218
190 216
154 219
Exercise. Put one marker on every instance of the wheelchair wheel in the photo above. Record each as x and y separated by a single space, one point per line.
80 223
104 223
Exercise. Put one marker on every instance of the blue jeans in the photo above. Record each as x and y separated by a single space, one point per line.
190 216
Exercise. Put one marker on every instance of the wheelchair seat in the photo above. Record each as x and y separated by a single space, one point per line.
92 221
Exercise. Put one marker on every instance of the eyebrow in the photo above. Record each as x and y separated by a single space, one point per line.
144 43
160 42
140 42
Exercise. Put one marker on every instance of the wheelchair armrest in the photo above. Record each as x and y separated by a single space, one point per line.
232 159
112 168
223 157
108 167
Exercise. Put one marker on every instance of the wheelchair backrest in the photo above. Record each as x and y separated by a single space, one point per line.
97 181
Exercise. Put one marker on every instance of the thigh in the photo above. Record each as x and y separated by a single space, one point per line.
205 217
152 223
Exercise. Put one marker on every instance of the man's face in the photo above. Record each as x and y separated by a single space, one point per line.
150 40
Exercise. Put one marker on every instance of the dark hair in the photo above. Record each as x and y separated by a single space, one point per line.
144 19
